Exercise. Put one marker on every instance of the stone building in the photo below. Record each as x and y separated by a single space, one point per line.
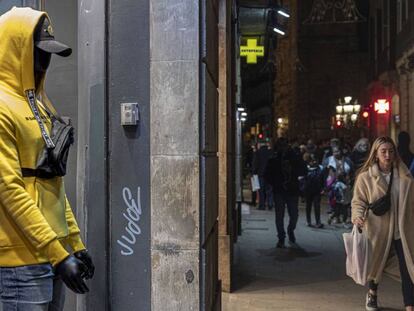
391 65
403 109
322 58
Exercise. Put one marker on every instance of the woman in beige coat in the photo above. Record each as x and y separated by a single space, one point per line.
390 236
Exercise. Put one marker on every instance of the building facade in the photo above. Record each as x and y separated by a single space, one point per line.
391 65
323 58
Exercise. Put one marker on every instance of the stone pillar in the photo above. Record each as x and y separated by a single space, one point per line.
184 164
175 154
225 152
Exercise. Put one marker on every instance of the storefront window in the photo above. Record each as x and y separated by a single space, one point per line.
6 5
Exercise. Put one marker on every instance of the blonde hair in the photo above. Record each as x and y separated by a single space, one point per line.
372 158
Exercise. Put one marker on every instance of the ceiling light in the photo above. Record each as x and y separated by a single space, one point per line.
279 31
283 13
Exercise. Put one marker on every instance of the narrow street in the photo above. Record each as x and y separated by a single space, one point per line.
310 278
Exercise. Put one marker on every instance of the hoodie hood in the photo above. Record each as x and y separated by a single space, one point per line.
17 49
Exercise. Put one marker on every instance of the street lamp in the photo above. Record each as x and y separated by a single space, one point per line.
346 110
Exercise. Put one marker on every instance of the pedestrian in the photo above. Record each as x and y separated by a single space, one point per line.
328 150
360 153
343 196
260 159
283 172
249 163
313 189
404 148
37 226
391 235
340 170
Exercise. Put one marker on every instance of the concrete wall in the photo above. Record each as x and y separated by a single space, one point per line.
184 154
175 163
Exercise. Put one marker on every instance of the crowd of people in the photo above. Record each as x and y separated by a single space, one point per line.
367 187
292 172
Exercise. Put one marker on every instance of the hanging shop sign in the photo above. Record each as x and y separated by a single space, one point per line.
251 51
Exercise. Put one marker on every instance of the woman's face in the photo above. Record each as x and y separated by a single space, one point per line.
385 154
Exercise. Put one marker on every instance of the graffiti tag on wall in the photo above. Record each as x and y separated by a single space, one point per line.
132 215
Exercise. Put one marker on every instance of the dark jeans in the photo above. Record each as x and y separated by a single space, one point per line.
254 195
283 200
265 194
406 282
31 288
315 200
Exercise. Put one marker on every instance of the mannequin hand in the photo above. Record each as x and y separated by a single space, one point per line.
71 270
84 256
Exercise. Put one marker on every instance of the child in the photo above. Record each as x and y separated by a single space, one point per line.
330 182
342 193
313 187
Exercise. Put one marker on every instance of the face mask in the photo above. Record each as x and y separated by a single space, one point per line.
41 63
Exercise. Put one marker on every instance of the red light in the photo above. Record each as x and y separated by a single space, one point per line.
365 114
381 106
260 136
338 123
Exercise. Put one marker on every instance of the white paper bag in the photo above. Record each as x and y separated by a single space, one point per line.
356 247
255 182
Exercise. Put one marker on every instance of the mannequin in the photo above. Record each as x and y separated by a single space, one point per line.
75 267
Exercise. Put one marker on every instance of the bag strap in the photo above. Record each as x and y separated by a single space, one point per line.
48 110
388 191
33 106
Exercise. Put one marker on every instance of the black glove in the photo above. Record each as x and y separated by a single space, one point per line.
71 270
84 256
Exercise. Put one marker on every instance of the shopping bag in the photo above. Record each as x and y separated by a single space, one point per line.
255 182
356 247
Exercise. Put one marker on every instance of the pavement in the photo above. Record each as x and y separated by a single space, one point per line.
311 277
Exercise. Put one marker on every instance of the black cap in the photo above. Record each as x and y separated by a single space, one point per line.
45 40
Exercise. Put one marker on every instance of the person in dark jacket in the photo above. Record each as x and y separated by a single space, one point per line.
360 153
404 148
314 183
260 160
283 172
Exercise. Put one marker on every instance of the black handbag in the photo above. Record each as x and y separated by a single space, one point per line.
383 204
52 161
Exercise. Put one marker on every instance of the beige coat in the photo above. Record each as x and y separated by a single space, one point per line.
370 186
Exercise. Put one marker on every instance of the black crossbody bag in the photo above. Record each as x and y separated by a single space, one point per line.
52 160
383 204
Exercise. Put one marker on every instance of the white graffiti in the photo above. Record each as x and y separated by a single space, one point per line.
132 215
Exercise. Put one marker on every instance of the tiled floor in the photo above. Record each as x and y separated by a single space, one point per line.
310 278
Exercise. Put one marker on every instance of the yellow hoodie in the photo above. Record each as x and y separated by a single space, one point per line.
36 221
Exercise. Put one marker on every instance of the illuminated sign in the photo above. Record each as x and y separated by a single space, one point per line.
251 51
381 106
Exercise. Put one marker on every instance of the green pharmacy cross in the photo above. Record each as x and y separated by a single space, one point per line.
251 51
